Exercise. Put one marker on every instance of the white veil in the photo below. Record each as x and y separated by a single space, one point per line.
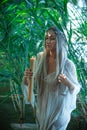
61 54
61 49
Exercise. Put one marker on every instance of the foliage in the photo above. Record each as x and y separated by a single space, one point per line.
22 27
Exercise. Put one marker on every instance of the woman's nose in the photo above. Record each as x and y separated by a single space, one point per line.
48 41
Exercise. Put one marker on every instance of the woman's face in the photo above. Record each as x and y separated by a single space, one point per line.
50 41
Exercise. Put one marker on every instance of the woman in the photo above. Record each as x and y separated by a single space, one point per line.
56 80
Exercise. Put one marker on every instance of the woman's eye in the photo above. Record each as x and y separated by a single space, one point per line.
52 38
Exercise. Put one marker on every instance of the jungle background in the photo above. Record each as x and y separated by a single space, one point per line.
22 27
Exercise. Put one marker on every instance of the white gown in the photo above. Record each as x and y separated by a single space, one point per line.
55 103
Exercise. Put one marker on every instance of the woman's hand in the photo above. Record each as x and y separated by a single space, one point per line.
64 80
27 75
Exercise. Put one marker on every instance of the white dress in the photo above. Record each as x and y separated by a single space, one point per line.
55 103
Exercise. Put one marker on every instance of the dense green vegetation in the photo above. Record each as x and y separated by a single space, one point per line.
22 27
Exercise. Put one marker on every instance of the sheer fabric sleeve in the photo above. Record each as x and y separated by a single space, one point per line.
25 92
71 97
72 76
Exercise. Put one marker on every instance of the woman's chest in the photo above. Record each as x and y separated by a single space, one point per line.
51 66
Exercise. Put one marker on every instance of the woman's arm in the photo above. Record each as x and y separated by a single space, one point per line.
70 78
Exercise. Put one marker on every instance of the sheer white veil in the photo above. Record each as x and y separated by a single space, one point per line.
61 51
61 54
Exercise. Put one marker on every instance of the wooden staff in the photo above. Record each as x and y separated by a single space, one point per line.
30 86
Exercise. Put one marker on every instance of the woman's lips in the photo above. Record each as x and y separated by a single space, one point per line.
48 45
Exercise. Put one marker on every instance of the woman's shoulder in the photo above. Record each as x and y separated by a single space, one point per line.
40 53
39 56
69 63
